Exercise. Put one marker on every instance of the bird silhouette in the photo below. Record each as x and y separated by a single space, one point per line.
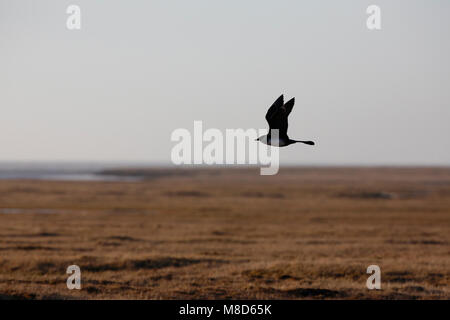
277 117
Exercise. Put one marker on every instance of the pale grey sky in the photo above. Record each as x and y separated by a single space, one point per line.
137 70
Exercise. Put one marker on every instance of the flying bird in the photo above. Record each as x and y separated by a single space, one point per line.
277 117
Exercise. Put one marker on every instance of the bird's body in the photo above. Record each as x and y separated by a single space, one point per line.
280 142
277 117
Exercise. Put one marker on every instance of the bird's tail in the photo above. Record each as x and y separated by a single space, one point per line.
311 143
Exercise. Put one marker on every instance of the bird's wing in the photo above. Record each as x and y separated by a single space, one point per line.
289 105
277 115
274 108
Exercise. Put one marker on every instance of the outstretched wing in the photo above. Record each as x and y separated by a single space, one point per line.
274 108
289 106
277 115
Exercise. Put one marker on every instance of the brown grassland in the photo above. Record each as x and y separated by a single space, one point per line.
306 233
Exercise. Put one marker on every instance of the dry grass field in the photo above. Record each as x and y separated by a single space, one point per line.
306 233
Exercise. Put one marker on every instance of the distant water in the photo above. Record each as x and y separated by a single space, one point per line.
62 171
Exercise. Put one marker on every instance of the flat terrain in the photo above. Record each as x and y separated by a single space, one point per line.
306 233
